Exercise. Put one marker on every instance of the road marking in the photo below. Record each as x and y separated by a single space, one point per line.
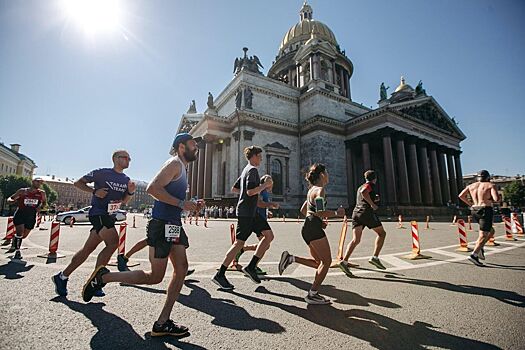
449 254
396 262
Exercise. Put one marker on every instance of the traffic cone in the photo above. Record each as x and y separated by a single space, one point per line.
53 242
10 231
516 225
463 243
508 230
416 250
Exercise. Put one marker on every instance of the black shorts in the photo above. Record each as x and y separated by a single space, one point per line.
366 218
101 221
155 238
484 217
28 219
247 225
312 229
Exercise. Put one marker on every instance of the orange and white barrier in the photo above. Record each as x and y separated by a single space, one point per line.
122 239
508 230
206 221
416 247
10 231
71 222
53 242
463 242
469 218
400 221
38 219
454 220
516 225
427 223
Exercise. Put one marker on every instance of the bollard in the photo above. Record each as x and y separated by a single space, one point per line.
122 239
38 219
454 220
10 231
400 221
427 224
134 226
469 218
416 247
53 242
516 225
463 243
71 222
508 230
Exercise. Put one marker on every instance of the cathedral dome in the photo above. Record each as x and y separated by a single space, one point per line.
303 30
403 86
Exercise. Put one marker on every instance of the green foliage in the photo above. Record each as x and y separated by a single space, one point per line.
51 194
514 193
9 184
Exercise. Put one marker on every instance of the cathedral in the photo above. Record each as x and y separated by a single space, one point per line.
302 112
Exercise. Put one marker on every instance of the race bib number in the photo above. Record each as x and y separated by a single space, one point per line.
30 202
113 207
172 233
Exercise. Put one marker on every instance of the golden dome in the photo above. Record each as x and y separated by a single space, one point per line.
403 86
303 31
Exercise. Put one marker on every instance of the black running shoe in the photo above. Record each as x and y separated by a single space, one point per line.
60 285
222 282
17 255
251 274
481 254
475 260
168 328
94 283
190 272
122 263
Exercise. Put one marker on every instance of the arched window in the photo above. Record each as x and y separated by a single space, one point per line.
277 176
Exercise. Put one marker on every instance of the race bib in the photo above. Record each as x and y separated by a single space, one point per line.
172 233
30 202
113 207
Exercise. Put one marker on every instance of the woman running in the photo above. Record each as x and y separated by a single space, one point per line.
314 208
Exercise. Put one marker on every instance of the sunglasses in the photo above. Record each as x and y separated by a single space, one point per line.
125 157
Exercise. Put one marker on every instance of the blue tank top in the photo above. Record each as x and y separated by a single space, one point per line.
177 188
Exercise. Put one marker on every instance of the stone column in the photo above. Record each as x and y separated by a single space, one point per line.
290 81
413 171
286 173
459 172
200 176
311 60
298 75
227 185
445 189
389 170
219 176
436 182
350 174
194 177
317 64
404 195
367 164
208 165
452 178
424 172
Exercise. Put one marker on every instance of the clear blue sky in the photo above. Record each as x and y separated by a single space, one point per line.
70 98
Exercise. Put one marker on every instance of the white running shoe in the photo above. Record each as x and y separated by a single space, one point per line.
286 260
316 299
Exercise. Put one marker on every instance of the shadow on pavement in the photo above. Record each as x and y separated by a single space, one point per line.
508 297
12 269
225 312
115 333
379 331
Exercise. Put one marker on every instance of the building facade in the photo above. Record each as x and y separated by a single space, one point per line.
68 196
302 112
12 162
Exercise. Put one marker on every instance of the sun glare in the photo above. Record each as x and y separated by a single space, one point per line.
94 16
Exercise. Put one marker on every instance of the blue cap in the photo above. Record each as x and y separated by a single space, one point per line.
183 138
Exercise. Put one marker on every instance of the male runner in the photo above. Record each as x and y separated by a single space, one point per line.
364 215
112 188
165 235
262 210
247 219
483 194
30 201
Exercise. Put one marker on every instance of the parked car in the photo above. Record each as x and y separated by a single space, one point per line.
81 215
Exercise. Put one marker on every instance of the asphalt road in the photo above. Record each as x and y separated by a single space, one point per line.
440 303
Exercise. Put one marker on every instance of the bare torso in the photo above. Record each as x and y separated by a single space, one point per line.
482 194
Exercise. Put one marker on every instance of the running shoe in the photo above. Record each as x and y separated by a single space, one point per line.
17 255
251 274
168 328
343 265
286 260
222 282
481 254
10 250
260 271
316 299
99 293
377 263
122 263
94 283
190 272
475 260
60 285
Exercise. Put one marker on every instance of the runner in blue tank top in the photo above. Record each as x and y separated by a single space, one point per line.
165 235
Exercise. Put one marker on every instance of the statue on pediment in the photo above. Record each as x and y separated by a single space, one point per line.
193 108
238 98
248 96
251 63
419 89
382 92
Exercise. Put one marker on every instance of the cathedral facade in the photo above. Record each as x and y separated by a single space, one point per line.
302 112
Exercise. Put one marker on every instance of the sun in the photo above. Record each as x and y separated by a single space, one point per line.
94 16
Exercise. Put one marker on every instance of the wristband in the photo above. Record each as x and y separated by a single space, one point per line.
130 194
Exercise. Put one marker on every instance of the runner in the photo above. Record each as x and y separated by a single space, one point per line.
247 219
112 188
30 201
165 235
314 208
364 215
262 210
483 194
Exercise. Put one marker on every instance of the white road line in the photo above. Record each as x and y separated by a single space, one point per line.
450 254
396 262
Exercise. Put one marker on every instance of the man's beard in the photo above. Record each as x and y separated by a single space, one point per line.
189 155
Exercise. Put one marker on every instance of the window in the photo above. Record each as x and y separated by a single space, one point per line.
277 176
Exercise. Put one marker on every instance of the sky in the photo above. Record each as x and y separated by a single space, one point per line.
78 82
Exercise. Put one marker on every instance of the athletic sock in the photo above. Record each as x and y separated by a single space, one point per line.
312 292
62 276
375 257
253 262
18 242
222 270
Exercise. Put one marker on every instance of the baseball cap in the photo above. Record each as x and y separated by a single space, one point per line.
38 178
184 137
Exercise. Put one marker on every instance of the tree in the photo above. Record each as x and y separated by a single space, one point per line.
51 194
514 193
9 184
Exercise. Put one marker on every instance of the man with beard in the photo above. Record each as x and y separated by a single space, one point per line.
30 200
165 235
